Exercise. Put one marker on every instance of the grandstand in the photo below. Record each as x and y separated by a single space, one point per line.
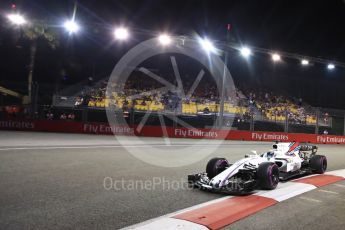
275 108
266 110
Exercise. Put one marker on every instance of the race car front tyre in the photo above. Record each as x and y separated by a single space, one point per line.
318 164
268 175
216 166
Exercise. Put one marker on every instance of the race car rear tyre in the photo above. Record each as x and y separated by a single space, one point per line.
268 175
318 164
216 166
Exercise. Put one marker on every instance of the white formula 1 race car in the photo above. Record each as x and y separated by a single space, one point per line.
284 161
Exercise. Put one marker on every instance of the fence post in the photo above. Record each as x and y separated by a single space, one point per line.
84 114
344 125
286 127
131 115
317 121
252 122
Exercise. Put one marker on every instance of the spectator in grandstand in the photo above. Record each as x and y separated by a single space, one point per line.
325 132
12 111
206 110
63 116
71 116
90 81
267 96
79 101
326 118
50 116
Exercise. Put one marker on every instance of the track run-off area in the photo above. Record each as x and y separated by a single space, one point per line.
79 181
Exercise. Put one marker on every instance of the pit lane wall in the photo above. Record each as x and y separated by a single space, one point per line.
155 131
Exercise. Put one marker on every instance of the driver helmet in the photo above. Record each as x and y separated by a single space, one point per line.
270 154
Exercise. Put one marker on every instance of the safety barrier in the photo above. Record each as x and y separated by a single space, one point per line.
156 131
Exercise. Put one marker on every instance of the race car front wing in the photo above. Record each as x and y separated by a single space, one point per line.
234 185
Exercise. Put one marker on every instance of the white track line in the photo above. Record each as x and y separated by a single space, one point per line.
310 199
114 146
327 191
339 185
79 147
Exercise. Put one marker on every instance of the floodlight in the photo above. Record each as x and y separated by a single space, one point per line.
246 52
207 45
164 39
276 57
71 26
330 66
121 33
17 19
305 62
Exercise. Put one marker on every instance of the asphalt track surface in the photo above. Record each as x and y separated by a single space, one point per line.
56 181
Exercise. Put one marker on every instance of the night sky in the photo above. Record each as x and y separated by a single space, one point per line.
312 28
